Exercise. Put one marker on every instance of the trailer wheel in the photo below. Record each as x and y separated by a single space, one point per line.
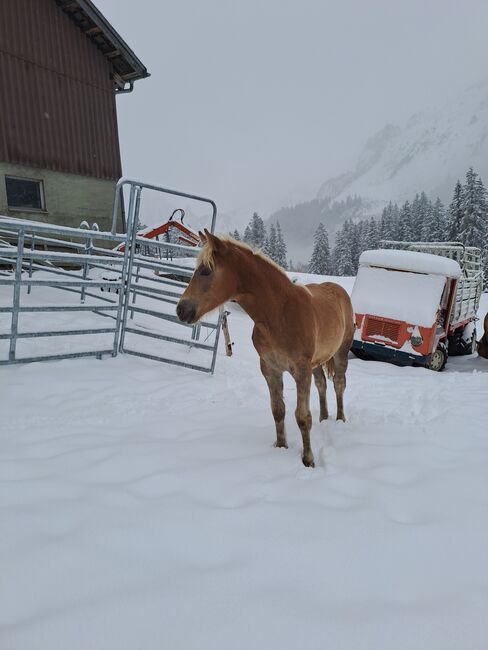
361 354
463 341
438 358
470 343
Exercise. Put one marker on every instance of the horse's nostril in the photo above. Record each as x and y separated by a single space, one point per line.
186 311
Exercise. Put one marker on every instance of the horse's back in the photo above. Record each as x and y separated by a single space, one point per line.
330 296
334 317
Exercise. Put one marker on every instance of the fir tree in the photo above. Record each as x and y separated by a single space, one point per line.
387 223
434 226
270 245
474 229
236 235
248 235
371 235
258 231
343 260
320 262
280 257
355 243
405 223
416 219
455 213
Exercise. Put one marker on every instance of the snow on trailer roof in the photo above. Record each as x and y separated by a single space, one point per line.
409 297
411 261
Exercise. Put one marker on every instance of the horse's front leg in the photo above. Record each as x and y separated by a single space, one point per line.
303 379
274 379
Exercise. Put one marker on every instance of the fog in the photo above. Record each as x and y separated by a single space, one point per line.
255 103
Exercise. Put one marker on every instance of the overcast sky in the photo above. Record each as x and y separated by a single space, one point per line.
252 101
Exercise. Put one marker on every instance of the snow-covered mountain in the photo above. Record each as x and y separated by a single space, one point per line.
430 152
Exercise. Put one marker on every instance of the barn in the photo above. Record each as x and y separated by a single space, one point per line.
62 66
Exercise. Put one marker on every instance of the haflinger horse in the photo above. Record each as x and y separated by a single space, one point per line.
299 329
483 342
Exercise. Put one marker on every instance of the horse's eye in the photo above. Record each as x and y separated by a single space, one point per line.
205 271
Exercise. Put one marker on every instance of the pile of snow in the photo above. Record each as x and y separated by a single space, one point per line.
411 261
144 506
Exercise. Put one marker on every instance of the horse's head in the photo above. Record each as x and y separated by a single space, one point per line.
212 284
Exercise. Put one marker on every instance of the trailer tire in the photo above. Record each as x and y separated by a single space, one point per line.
438 358
459 345
361 354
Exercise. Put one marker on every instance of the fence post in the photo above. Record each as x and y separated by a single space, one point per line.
86 266
29 286
123 271
217 336
16 300
132 247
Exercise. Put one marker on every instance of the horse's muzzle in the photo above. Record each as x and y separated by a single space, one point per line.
186 311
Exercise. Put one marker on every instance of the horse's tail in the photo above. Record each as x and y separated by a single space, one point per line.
330 368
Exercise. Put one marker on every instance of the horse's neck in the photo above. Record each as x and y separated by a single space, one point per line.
263 291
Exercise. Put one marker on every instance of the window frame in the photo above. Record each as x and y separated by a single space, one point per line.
42 195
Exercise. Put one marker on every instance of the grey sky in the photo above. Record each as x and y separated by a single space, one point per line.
250 101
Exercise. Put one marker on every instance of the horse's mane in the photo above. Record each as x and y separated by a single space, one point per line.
207 254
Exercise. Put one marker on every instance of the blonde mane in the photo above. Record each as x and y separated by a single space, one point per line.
207 254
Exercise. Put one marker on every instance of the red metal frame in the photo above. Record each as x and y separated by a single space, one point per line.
187 237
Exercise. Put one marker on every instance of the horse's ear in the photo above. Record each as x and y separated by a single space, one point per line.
203 238
214 241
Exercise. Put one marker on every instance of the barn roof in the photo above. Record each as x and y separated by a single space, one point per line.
127 67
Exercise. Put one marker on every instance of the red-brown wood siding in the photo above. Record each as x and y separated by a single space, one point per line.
57 102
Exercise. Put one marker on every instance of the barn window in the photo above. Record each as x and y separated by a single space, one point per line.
24 193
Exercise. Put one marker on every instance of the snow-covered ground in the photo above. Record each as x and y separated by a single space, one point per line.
145 507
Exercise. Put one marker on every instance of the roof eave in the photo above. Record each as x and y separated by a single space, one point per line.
108 33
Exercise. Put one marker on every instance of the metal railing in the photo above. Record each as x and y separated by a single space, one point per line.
27 262
40 262
470 283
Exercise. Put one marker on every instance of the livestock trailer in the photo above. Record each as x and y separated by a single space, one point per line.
416 303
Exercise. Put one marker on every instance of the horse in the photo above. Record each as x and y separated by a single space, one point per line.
298 329
482 344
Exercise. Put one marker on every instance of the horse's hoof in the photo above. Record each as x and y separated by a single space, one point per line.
324 417
281 445
308 462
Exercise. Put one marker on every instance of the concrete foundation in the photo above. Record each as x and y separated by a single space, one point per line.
69 199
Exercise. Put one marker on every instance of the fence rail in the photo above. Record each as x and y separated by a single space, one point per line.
53 276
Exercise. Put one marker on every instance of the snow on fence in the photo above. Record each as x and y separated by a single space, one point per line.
66 293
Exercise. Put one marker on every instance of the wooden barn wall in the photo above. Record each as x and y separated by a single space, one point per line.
57 105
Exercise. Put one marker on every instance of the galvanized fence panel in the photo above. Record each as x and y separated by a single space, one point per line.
68 284
37 280
150 327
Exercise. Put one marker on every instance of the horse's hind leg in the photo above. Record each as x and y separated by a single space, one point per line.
340 367
321 384
274 379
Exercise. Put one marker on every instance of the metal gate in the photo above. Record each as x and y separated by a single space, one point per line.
67 292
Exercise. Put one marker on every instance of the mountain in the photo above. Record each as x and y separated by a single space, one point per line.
299 222
429 153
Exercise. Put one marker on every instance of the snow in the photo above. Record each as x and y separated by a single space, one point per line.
144 506
411 261
409 297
